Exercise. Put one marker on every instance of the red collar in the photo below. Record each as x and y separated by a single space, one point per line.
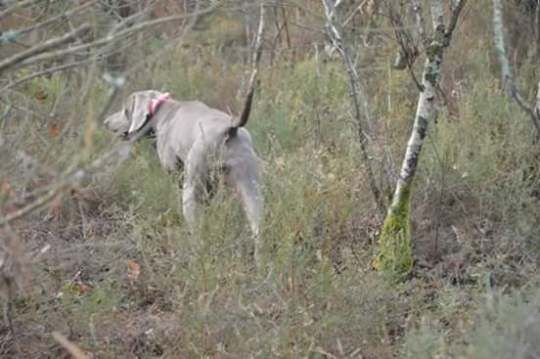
154 105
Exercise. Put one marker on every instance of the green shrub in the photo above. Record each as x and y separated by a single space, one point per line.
504 326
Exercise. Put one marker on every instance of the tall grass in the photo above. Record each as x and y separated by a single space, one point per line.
125 278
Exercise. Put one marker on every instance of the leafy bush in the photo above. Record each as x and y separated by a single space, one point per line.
504 326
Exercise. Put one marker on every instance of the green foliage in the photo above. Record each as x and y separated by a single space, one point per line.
47 89
508 326
425 342
141 183
504 326
485 157
115 266
83 305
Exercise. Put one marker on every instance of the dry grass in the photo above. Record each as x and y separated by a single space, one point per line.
110 265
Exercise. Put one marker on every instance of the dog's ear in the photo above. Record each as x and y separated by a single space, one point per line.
137 110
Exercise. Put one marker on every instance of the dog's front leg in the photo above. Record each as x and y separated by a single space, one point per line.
253 205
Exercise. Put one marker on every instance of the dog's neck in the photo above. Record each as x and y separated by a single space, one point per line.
154 104
153 107
148 127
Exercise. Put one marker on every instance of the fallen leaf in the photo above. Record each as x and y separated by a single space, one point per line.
54 129
41 95
6 189
134 270
80 288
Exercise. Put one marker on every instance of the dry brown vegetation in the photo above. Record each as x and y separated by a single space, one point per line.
105 260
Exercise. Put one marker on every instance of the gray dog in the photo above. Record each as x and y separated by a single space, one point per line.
203 140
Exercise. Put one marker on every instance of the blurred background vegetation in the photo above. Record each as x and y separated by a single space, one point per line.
107 261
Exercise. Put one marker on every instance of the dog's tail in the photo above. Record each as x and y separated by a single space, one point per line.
253 79
244 117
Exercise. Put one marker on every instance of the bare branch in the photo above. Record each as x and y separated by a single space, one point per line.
437 15
408 50
113 37
255 65
193 20
507 75
77 173
420 26
33 206
537 30
22 109
453 20
46 46
357 95
17 5
395 249
537 107
74 177
49 71
353 13
65 15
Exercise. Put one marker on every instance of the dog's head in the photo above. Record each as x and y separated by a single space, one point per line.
134 113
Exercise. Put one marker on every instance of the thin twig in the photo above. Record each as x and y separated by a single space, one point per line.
54 19
537 30
106 40
46 46
363 118
420 26
33 206
18 4
537 107
49 71
75 174
453 21
507 75
22 109
255 65
408 49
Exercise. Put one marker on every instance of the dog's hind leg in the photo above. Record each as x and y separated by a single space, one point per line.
247 187
190 205
194 186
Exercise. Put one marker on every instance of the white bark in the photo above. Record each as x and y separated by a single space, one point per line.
537 29
395 245
358 93
437 14
425 111
420 28
426 108
507 75
537 107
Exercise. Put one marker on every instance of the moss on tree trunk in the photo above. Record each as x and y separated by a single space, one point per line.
394 257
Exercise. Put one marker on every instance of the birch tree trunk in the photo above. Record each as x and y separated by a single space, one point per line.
395 246
507 74
537 29
537 107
